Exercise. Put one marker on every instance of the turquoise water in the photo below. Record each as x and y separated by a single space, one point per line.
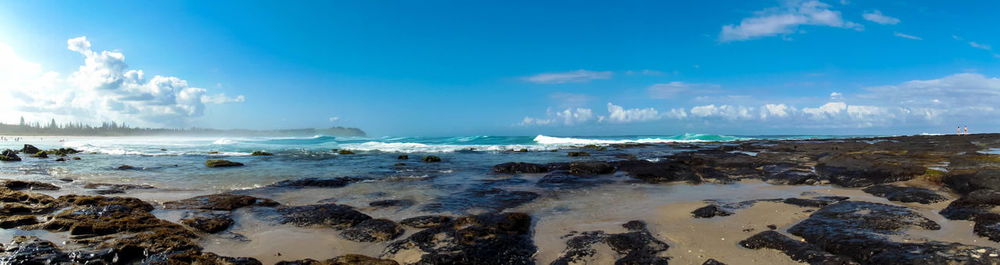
178 162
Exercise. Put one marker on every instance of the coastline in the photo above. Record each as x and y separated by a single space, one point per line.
574 210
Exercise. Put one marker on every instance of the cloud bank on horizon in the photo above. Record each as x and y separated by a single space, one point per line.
104 88
957 97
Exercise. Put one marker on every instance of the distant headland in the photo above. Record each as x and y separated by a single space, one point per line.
116 129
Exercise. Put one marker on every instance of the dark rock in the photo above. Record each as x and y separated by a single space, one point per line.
988 226
20 202
519 168
965 182
479 239
9 156
261 153
30 149
576 154
391 203
222 201
710 211
107 188
351 259
426 221
62 151
797 250
28 185
31 250
590 168
790 174
859 230
403 157
345 152
16 221
977 206
432 159
40 154
76 158
137 233
125 167
193 256
373 230
637 246
713 262
222 163
658 172
109 191
333 215
315 182
817 202
209 222
905 194
860 170
971 205
60 159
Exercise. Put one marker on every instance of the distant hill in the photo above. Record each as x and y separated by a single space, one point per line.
114 129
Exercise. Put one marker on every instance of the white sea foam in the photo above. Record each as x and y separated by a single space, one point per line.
436 148
568 141
223 141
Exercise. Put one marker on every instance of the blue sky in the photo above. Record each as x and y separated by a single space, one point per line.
507 68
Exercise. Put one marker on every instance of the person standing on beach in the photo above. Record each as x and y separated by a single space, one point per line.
958 130
966 129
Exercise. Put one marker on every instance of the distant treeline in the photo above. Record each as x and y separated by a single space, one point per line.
116 129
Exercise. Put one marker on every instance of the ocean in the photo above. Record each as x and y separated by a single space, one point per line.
178 162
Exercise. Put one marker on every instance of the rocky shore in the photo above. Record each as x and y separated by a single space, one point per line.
889 200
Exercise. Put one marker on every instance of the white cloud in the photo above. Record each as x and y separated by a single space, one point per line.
334 119
222 99
877 17
785 20
578 76
980 46
569 116
836 96
101 89
906 36
776 111
826 111
861 112
723 111
677 113
619 114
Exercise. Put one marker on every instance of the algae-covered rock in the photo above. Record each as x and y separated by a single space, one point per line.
222 163
9 156
261 153
432 159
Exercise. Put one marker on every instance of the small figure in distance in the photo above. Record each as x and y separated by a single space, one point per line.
958 131
966 129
